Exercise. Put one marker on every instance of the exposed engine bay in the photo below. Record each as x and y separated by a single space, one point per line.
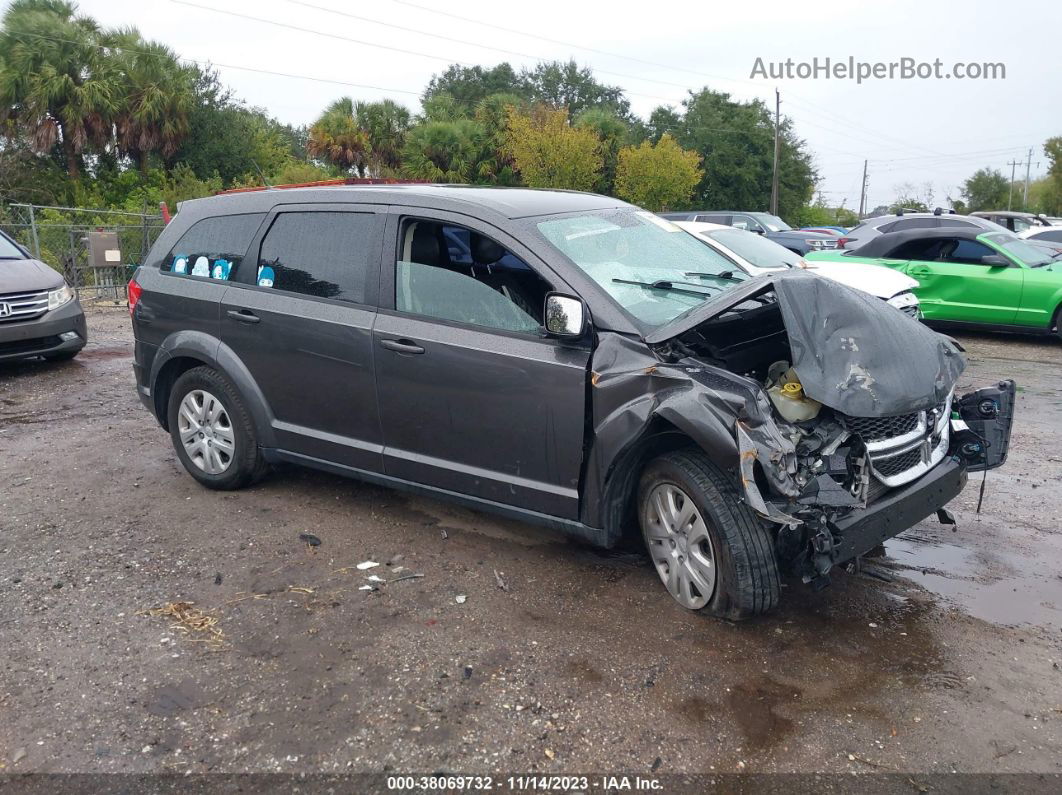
838 409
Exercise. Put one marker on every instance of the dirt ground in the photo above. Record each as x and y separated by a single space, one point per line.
581 663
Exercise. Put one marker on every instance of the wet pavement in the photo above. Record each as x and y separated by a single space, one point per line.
945 654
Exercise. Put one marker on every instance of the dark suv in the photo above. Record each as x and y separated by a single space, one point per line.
39 313
562 358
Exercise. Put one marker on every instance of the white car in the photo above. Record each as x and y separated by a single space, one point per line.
755 255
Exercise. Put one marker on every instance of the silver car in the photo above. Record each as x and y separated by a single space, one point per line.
904 221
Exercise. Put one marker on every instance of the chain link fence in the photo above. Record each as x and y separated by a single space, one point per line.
59 236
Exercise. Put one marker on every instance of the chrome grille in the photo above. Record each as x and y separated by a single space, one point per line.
873 429
23 306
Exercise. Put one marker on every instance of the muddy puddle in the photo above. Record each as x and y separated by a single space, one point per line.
994 585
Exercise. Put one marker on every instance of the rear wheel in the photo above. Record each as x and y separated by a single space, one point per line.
212 431
711 551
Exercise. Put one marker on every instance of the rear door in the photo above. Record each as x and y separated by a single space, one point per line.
474 397
301 322
955 285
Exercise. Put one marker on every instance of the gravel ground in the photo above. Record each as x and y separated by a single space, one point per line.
582 662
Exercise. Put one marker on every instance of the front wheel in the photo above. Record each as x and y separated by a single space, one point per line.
711 551
212 431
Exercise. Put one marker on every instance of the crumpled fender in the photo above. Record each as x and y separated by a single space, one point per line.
632 392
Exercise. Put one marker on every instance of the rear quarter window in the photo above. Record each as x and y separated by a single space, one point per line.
213 247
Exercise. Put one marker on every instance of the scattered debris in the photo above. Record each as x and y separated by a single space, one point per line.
193 623
550 754
20 754
656 764
467 673
407 577
375 578
367 588
461 598
500 581
367 564
310 539
217 578
445 535
395 560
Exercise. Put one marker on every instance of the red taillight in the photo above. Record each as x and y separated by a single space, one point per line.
134 295
842 242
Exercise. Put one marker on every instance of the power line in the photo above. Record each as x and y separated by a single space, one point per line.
208 64
363 43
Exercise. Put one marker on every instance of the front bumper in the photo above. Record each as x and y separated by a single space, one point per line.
862 529
59 331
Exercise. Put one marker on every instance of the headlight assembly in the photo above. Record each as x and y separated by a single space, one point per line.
56 298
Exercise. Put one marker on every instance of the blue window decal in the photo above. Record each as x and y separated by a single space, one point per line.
201 267
180 264
266 276
221 269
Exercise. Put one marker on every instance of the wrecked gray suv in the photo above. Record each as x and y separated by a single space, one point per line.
562 358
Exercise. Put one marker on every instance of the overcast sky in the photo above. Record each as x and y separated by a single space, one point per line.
913 131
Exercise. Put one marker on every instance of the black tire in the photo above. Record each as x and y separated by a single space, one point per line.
247 464
746 582
62 356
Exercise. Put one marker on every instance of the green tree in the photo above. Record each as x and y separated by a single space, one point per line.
663 120
736 143
443 151
987 189
467 86
336 138
550 153
658 176
567 85
1049 198
495 166
614 133
156 96
385 124
56 81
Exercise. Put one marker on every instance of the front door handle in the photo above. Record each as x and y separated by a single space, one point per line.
401 346
244 316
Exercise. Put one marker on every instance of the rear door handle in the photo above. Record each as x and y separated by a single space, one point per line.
401 346
244 316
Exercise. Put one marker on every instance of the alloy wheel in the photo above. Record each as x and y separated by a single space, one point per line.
679 544
206 432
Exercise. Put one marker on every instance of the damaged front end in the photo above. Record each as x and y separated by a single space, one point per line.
844 420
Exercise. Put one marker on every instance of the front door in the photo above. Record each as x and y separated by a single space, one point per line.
954 284
474 397
301 323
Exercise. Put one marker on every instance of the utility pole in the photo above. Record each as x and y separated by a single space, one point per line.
1013 164
774 173
1028 166
863 193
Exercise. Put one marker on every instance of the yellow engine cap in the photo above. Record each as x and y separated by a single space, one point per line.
792 389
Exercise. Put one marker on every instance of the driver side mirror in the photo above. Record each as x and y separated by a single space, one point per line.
565 316
995 261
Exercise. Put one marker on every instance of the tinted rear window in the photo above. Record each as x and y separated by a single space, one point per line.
323 254
213 247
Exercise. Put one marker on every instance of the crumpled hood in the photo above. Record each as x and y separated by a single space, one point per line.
874 279
25 275
852 351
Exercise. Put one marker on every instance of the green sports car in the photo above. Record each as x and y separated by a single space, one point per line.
970 277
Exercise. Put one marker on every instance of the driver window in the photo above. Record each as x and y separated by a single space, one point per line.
453 273
965 251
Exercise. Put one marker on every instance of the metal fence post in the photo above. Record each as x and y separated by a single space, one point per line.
33 233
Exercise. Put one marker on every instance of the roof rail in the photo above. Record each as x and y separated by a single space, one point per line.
326 183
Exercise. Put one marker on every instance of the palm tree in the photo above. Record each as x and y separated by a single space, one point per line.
156 98
56 81
443 151
385 123
337 138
